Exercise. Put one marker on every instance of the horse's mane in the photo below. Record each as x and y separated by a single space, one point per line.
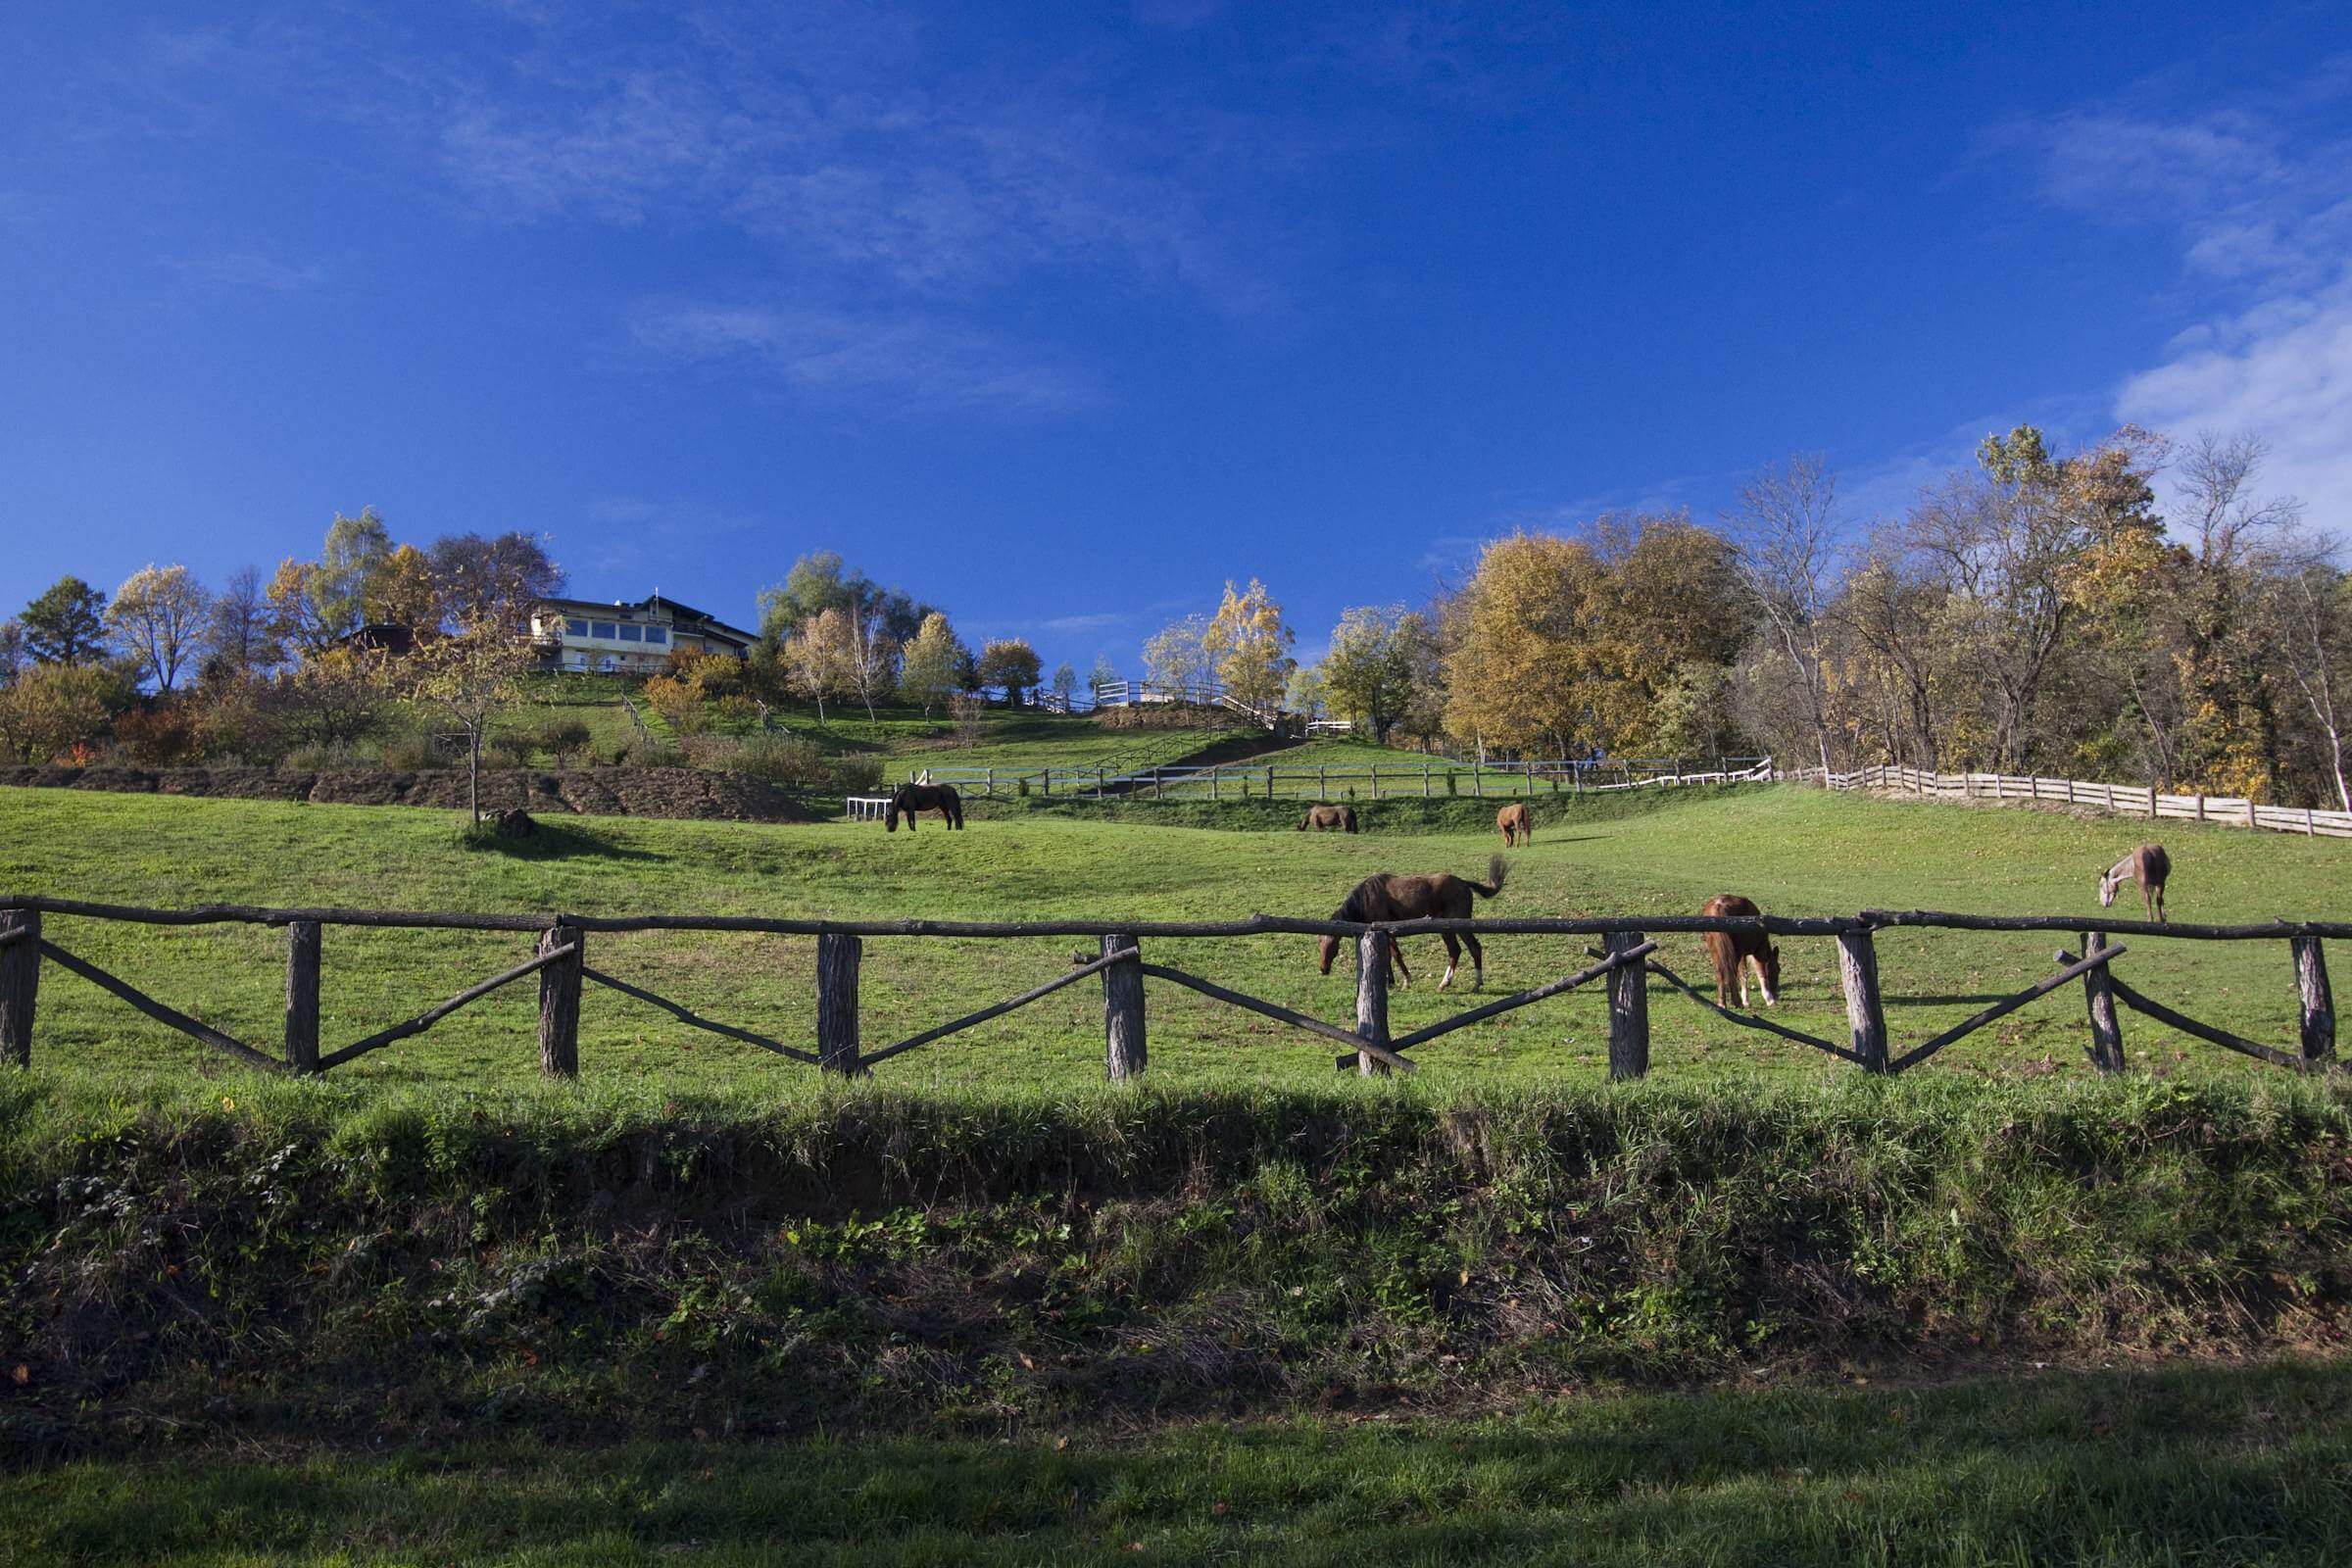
1364 899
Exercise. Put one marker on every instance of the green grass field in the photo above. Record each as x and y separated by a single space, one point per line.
1796 852
438 1311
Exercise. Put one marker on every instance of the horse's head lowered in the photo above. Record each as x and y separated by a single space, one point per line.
898 803
1359 907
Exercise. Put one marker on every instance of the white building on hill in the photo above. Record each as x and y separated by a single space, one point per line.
621 639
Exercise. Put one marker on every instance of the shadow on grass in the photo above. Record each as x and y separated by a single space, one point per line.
548 840
2197 1464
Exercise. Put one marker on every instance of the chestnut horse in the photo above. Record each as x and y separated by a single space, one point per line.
1441 895
2149 867
912 798
1516 819
1734 953
1321 817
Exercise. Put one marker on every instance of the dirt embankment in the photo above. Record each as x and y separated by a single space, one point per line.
665 792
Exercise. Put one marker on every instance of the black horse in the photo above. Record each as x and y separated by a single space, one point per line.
912 797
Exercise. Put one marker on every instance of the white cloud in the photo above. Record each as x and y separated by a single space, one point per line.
2263 225
2282 370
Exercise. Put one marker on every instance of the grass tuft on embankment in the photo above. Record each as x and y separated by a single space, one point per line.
344 1264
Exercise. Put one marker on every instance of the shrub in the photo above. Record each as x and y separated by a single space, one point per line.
314 756
651 754
408 753
562 738
858 773
159 737
507 749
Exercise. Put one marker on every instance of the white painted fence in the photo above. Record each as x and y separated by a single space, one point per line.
2125 799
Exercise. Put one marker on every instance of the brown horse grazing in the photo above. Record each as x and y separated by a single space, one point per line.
2150 868
1323 818
1735 952
1443 896
912 797
1516 820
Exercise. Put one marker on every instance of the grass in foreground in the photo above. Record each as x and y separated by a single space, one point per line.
1794 851
2209 1465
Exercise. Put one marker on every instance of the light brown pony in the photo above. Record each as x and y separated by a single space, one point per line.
1441 895
2150 868
1734 953
1516 820
1322 818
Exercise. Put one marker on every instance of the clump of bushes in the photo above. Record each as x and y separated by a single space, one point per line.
652 754
409 754
794 762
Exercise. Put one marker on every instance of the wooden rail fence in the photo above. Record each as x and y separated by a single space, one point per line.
1243 781
1627 960
2125 799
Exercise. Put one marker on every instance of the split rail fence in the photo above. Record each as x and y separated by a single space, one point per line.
1379 781
1626 960
2125 799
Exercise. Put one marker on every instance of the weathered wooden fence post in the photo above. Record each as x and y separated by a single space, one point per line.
1629 1009
1371 998
19 983
2319 1003
2098 994
836 957
560 1003
1123 1054
302 996
1858 973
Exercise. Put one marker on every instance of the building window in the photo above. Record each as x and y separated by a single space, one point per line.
631 634
657 634
603 628
575 628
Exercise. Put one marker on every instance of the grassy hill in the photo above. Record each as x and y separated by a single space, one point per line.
1794 851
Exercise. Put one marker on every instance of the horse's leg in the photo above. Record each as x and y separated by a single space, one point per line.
1478 963
1398 973
1453 957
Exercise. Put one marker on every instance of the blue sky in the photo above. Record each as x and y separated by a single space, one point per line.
1059 316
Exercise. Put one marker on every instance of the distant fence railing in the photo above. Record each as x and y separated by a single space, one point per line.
1435 778
1626 956
2125 799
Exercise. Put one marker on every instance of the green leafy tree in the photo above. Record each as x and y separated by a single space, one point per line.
66 625
928 673
358 551
1010 662
1369 673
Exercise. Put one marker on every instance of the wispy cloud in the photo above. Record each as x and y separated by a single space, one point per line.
909 361
246 269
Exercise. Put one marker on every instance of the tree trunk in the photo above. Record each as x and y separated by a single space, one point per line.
473 773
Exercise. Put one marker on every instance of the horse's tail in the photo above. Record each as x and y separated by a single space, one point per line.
1496 869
